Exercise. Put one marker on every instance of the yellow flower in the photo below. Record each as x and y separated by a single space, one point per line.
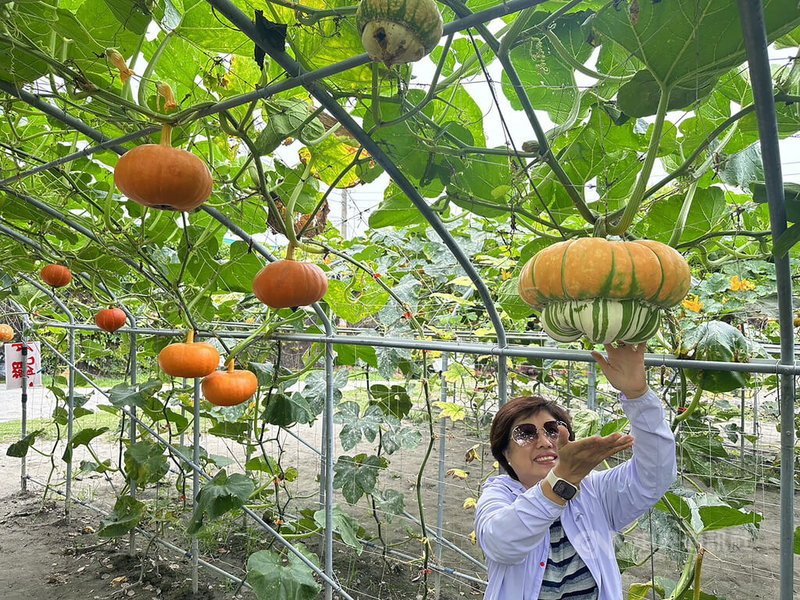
741 284
116 59
692 303
470 503
506 274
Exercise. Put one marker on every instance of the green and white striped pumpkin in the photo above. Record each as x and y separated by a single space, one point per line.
604 290
395 32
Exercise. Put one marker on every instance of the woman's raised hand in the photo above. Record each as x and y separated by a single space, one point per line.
579 458
624 368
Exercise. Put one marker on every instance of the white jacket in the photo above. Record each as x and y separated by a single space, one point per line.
512 524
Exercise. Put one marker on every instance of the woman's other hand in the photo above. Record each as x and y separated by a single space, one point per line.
624 368
579 458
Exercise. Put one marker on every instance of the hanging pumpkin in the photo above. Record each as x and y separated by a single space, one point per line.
395 33
6 333
56 275
160 176
602 289
229 388
110 319
190 359
287 283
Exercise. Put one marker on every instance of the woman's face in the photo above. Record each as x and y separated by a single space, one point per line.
532 461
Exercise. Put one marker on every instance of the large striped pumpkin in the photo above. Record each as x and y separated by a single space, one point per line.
602 289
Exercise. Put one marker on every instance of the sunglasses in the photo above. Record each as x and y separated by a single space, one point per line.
527 433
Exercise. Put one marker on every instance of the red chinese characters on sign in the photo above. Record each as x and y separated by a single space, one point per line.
15 365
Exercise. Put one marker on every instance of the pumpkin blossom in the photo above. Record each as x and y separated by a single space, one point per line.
116 59
741 285
692 303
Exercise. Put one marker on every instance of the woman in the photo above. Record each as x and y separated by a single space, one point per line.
547 527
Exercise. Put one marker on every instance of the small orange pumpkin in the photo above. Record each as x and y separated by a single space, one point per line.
110 319
6 333
229 388
188 360
56 275
160 176
287 283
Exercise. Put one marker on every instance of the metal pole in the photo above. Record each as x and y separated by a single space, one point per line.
132 429
71 395
23 475
756 44
195 479
26 324
591 399
442 450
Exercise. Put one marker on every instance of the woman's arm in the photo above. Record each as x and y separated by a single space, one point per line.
628 490
509 527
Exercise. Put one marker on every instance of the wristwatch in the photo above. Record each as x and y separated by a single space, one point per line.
561 487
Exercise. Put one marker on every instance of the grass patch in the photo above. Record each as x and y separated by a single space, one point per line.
10 430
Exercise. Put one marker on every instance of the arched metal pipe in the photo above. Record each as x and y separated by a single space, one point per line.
756 45
243 22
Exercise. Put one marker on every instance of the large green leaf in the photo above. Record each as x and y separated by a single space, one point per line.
287 410
354 424
145 462
218 496
684 44
346 526
125 516
271 579
356 475
354 303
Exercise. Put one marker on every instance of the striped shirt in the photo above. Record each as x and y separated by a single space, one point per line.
566 576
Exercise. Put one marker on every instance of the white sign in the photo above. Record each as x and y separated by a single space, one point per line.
14 365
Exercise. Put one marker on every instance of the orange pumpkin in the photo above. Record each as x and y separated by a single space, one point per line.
110 319
56 275
604 290
188 360
160 176
287 283
229 388
6 333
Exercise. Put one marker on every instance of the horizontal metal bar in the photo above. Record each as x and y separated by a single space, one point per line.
756 365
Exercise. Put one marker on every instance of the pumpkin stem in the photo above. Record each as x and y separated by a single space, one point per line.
231 365
290 251
190 337
166 135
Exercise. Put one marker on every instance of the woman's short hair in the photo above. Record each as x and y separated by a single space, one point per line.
510 413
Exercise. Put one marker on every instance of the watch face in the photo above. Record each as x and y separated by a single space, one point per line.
564 489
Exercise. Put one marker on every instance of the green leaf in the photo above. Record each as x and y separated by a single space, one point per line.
130 14
685 43
283 117
391 503
20 449
82 438
346 526
586 423
272 580
285 411
218 496
124 395
356 476
146 463
356 424
791 198
721 517
797 540
125 516
392 400
716 341
354 304
398 436
349 355
235 430
509 300
395 210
